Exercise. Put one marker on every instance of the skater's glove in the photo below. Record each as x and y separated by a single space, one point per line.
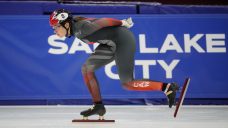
128 23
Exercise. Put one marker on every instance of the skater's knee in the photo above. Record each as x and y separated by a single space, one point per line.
126 82
87 69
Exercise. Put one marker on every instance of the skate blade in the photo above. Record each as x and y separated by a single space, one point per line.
182 96
92 120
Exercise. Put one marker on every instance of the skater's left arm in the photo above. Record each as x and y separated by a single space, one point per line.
91 26
114 22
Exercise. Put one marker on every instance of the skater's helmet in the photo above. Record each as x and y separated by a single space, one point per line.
60 16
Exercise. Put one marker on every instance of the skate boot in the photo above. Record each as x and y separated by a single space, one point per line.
97 109
170 92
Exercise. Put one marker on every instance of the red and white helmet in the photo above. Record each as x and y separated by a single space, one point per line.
59 17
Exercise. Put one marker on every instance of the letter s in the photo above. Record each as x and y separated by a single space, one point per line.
58 47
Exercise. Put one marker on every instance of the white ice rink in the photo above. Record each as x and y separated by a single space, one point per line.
125 116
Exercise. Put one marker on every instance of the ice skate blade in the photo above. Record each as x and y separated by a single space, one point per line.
182 96
92 120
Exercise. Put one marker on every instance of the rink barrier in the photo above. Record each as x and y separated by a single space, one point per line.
154 101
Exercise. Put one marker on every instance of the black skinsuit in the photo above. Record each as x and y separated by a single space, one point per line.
116 43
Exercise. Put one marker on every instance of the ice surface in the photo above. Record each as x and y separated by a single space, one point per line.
125 116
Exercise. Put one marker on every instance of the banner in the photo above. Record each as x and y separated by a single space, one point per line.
36 64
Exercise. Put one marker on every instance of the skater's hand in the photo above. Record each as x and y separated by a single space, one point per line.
128 23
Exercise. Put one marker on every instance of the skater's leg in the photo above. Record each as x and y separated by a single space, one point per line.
91 83
93 86
101 57
124 58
